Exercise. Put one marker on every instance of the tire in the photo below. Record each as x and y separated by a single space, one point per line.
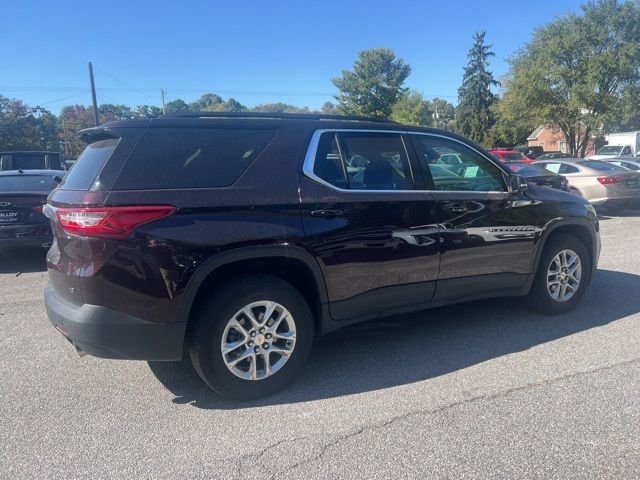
210 324
540 296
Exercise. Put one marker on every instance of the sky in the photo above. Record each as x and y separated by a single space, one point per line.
255 51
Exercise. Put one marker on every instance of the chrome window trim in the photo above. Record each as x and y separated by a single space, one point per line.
312 150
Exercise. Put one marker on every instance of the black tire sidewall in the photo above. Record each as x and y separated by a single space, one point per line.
539 296
210 322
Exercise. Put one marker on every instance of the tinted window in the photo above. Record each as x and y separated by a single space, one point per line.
190 158
602 166
89 163
473 173
29 162
27 183
328 165
526 170
626 151
375 161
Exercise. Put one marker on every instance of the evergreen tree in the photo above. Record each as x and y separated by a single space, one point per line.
474 115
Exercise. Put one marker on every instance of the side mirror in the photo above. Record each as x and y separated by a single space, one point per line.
517 184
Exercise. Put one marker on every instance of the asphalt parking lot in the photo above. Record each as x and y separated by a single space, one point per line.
481 390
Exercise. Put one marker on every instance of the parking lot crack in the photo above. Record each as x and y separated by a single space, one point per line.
479 398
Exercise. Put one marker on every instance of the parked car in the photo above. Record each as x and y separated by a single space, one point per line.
602 183
612 151
509 155
532 152
539 176
23 193
631 163
241 237
30 161
550 155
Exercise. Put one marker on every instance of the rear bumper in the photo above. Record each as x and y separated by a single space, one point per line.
25 235
107 333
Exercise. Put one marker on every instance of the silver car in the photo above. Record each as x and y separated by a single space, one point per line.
598 181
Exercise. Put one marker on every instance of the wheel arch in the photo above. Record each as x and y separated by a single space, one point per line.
292 264
581 229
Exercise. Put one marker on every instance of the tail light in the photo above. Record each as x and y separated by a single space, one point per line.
608 180
109 222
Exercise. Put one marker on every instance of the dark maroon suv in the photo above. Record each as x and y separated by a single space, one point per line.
239 238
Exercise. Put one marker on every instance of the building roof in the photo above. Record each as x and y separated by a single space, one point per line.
536 133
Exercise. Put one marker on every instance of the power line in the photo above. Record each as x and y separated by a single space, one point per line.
64 98
125 84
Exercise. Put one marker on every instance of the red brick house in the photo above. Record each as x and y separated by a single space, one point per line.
552 140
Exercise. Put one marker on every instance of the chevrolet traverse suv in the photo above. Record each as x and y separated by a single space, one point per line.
238 238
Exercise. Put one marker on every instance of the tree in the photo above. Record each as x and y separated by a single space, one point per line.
22 129
207 102
443 114
474 116
279 108
329 108
579 73
71 120
177 105
412 108
147 111
374 85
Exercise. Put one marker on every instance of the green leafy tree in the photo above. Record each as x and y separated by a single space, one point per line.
329 108
412 108
474 116
579 73
23 129
374 85
177 105
147 111
443 114
207 102
279 108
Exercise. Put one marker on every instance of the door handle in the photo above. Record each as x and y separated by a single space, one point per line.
326 213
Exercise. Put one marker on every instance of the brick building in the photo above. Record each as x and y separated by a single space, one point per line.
552 140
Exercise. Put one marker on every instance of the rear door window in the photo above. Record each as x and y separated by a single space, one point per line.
190 158
29 162
89 164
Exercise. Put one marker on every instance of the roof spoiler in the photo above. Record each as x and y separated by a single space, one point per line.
93 134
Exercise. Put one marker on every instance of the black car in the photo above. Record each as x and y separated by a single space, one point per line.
552 155
539 176
23 195
241 237
30 161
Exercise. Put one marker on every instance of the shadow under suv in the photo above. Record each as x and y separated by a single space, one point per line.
238 238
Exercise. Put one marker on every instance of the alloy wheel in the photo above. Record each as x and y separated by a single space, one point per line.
564 275
258 340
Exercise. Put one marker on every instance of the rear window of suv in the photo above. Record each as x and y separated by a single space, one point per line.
169 158
89 163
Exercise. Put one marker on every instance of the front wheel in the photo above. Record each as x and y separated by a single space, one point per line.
562 276
251 337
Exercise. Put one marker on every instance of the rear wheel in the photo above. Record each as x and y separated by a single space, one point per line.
251 337
562 276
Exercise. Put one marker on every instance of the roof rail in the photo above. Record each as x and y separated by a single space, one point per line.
276 115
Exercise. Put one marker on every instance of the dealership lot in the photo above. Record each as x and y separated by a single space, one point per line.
486 389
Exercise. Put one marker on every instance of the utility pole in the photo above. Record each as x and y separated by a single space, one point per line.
162 92
96 120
